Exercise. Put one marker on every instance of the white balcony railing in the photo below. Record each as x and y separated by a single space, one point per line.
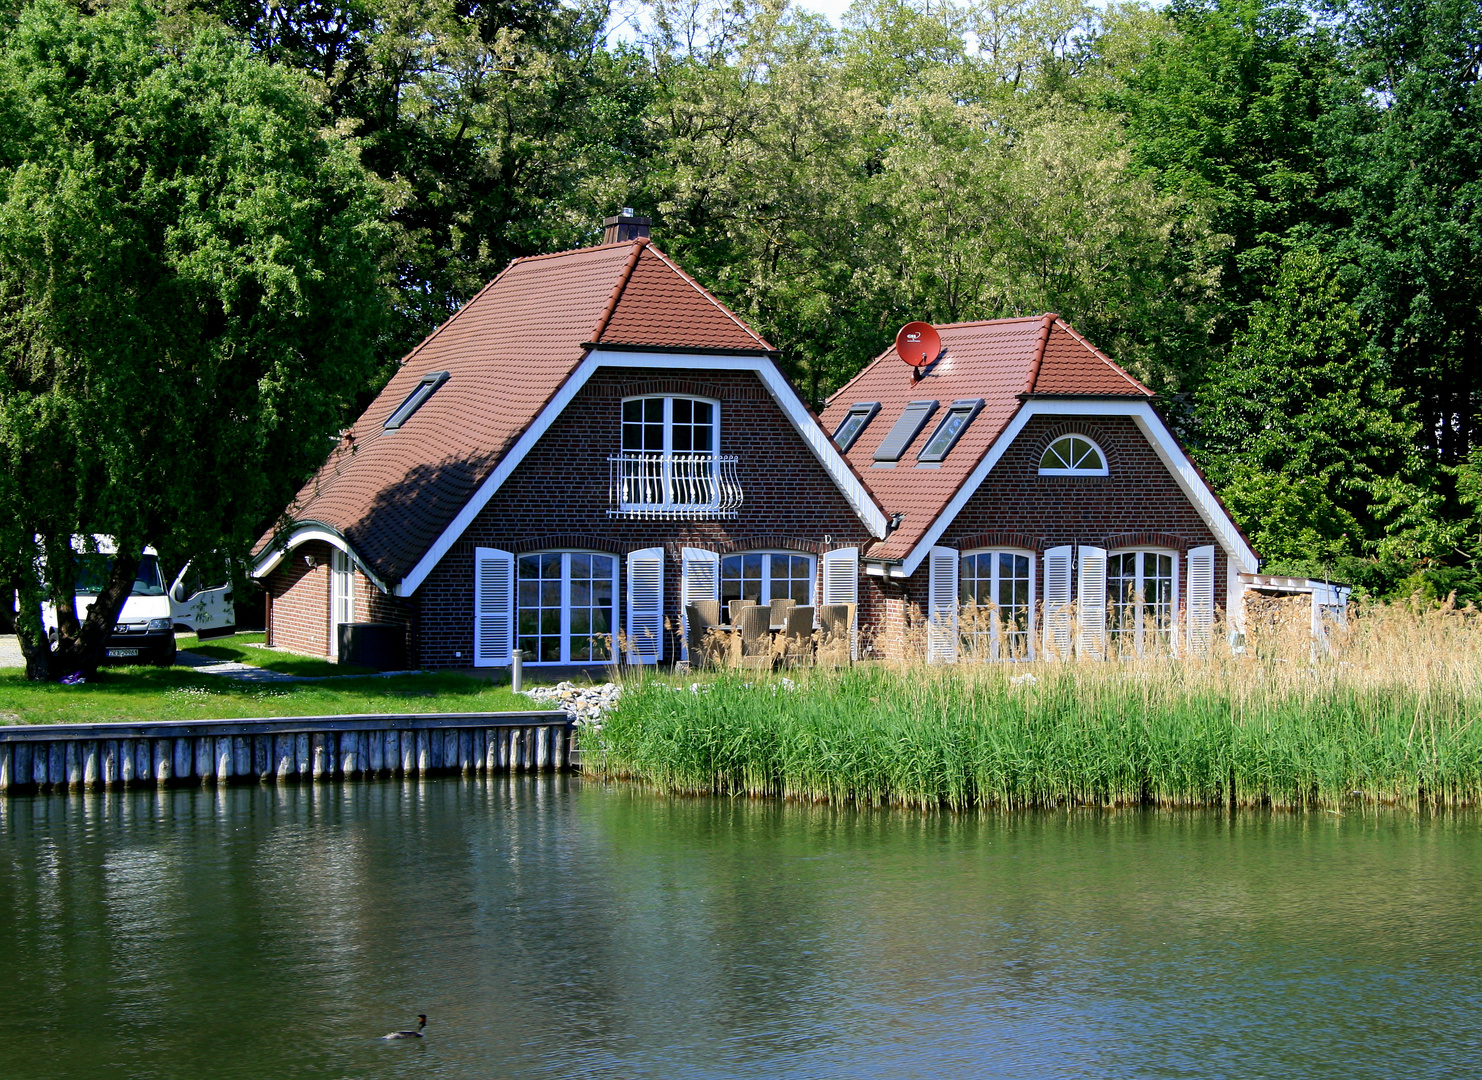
670 486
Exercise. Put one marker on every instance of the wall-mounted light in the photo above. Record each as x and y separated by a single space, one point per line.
311 561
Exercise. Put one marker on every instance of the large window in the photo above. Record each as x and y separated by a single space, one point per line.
566 606
765 576
996 591
1140 602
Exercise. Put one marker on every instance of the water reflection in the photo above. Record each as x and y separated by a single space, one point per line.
555 928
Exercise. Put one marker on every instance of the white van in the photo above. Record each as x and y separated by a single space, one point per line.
145 630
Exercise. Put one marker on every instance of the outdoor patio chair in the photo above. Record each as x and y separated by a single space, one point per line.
797 644
756 638
736 607
779 612
700 619
837 623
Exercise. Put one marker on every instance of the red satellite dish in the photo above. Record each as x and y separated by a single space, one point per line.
918 344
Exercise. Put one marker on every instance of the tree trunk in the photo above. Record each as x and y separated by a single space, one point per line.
29 631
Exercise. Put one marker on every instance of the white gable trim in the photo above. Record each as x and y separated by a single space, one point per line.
1242 558
305 534
802 421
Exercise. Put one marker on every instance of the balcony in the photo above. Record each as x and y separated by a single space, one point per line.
671 487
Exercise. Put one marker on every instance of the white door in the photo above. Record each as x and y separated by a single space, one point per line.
341 597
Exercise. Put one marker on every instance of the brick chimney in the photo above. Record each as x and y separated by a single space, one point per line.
624 226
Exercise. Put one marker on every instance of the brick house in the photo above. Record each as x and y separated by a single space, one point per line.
591 441
595 440
1039 505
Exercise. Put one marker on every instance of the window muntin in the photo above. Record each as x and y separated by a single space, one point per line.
764 576
996 592
414 401
1140 598
1072 455
959 415
860 414
665 425
669 454
566 606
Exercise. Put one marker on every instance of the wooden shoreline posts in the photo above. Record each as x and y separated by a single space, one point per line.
80 757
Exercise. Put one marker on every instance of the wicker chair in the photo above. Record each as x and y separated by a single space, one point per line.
756 638
837 622
779 609
736 607
700 618
798 636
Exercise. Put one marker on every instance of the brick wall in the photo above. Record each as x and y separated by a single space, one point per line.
299 603
1139 504
558 500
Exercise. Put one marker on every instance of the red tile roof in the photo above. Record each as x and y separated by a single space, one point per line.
1001 361
391 494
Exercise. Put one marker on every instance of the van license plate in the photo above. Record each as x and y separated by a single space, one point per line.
123 652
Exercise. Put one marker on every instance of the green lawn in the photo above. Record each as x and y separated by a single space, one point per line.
148 693
244 649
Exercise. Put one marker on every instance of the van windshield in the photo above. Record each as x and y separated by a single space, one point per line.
93 569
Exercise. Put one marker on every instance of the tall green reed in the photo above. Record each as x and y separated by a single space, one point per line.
1169 734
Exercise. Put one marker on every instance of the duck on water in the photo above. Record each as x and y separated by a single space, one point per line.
421 1023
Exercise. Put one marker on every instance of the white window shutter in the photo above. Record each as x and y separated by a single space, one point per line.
493 607
941 621
1057 603
1201 599
646 606
699 579
1091 603
841 586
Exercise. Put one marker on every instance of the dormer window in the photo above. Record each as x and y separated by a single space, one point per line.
1072 455
413 401
950 430
860 414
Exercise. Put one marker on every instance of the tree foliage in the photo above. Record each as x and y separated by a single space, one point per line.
191 293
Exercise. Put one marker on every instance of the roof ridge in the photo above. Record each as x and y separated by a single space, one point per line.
708 295
617 290
572 251
1048 320
987 322
1138 384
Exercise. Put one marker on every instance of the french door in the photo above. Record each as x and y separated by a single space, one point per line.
566 606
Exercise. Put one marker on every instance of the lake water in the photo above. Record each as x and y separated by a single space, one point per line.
559 928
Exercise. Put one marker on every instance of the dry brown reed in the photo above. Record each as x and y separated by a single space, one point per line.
1383 709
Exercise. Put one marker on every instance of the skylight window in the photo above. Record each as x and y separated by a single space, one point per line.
860 414
913 419
959 415
420 393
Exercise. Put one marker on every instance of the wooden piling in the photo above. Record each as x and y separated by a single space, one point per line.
75 757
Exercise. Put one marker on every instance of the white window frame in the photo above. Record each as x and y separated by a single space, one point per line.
1103 471
665 455
1138 639
994 639
767 571
565 632
341 597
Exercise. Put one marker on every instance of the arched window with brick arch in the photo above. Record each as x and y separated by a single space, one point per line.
1073 455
